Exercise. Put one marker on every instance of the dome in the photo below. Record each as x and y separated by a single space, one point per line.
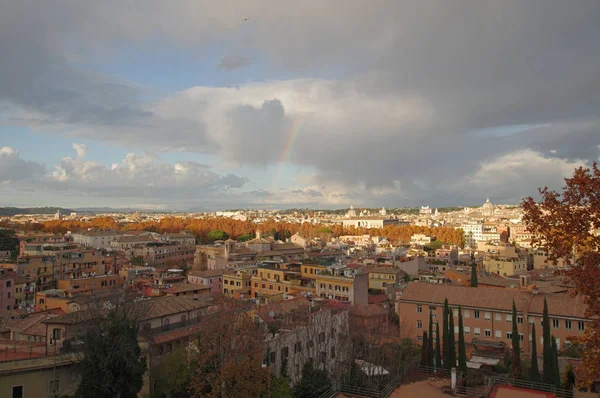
488 208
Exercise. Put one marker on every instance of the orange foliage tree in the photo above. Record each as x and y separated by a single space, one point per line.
227 355
567 226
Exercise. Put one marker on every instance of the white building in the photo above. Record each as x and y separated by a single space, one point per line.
487 209
420 239
425 210
369 222
473 232
96 239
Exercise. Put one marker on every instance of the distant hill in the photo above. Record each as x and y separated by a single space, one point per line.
11 211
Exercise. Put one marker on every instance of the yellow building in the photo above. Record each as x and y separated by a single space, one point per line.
310 270
347 284
382 277
505 266
238 280
280 279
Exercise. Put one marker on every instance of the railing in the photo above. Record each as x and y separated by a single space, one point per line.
172 326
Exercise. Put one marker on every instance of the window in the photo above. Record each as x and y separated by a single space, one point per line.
509 335
476 314
509 318
419 338
521 336
498 334
323 356
466 314
285 352
322 337
581 326
568 325
498 317
531 320
56 334
467 330
555 323
455 329
419 309
8 283
332 352
17 392
488 333
487 316
519 319
298 347
477 332
558 344
419 325
455 312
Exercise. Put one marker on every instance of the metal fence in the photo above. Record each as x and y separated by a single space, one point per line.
472 391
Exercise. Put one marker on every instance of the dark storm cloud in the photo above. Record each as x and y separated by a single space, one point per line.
421 78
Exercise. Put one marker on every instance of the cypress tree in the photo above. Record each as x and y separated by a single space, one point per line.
424 348
474 275
445 335
548 376
555 368
462 354
438 349
430 352
516 344
451 341
534 373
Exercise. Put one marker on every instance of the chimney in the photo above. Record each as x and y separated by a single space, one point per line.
524 280
258 233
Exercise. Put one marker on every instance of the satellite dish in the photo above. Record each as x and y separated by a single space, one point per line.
272 314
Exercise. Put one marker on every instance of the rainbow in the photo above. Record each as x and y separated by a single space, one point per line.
295 126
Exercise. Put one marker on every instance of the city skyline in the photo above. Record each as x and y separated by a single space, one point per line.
211 106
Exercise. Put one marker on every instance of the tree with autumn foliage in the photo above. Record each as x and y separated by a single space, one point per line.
227 354
567 226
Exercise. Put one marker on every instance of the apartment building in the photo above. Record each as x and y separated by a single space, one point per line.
166 254
382 277
7 289
90 285
505 266
487 313
211 278
343 284
96 238
238 280
540 260
473 232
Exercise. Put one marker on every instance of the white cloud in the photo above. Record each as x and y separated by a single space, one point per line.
81 149
14 168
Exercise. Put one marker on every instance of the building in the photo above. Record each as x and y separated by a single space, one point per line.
90 285
319 335
487 210
448 253
425 210
186 238
239 280
420 240
505 266
343 284
190 290
127 243
7 289
213 278
540 260
96 238
487 313
380 278
473 232
370 222
163 254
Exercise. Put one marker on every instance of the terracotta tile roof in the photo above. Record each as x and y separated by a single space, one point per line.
368 311
185 287
494 299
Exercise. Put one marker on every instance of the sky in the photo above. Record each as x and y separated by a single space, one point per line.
193 104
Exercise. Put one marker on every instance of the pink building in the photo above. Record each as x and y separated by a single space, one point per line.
7 289
212 278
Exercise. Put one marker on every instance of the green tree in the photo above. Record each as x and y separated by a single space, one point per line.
112 365
8 241
438 349
245 237
445 336
451 340
217 234
548 375
516 344
313 384
534 373
555 368
175 375
430 352
462 353
280 388
474 275
424 350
